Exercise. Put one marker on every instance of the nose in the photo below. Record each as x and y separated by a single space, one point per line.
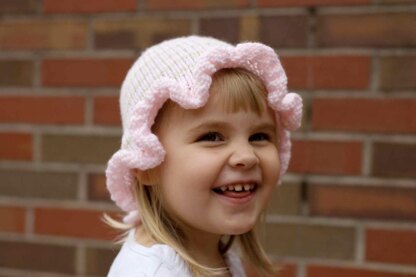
243 156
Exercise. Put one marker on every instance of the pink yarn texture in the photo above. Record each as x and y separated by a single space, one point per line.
181 70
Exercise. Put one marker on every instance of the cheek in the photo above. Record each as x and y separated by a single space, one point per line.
271 171
194 164
186 171
185 180
271 166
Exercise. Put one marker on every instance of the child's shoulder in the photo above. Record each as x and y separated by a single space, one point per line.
135 259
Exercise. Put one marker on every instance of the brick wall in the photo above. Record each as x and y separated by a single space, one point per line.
348 206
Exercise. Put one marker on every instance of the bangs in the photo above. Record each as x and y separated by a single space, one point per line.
237 89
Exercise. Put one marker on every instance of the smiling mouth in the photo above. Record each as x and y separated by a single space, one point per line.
236 190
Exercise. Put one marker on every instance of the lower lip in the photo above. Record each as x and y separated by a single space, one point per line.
237 200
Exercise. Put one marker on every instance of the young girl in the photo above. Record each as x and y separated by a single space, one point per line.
206 140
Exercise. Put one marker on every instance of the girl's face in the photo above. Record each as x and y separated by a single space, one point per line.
220 168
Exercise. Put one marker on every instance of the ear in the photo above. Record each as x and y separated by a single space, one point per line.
146 177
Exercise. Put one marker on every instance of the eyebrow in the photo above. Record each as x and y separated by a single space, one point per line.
220 125
266 126
209 125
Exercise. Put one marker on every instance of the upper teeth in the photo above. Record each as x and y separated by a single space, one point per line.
238 187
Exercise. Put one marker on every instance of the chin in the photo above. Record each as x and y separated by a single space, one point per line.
239 230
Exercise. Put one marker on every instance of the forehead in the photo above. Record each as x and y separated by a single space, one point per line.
174 116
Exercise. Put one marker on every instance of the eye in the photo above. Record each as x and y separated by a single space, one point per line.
211 136
259 137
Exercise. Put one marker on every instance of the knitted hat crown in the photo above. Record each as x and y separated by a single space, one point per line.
181 70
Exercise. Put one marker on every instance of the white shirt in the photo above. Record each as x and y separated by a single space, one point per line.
159 260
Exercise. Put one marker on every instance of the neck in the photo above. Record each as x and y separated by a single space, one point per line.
204 249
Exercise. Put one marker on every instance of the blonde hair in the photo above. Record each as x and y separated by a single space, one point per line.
240 90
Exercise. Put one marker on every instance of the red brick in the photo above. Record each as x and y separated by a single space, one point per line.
107 111
84 72
43 34
289 3
395 2
88 6
328 72
374 30
38 110
397 72
297 71
363 202
195 4
15 146
394 160
391 246
12 219
17 6
326 157
97 189
344 72
324 271
71 223
364 115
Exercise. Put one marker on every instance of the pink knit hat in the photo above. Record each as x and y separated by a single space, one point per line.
180 70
